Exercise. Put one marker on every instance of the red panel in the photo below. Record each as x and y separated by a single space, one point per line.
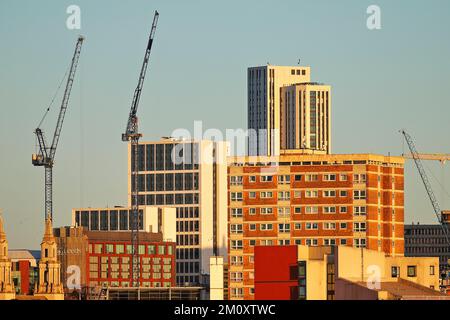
24 267
275 272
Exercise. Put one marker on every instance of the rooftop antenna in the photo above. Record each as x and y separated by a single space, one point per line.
298 62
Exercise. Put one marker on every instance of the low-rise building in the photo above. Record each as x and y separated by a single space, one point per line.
103 258
342 273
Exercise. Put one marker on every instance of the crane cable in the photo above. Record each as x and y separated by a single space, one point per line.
54 97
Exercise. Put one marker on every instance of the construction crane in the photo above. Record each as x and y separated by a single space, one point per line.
417 160
132 135
441 157
46 155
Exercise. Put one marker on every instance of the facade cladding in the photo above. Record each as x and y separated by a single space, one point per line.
313 200
105 257
428 241
190 176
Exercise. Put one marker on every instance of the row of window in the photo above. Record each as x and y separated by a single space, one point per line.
238 244
286 227
286 211
286 195
286 179
126 284
151 249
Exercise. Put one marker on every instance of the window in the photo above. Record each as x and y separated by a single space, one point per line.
302 280
236 196
412 271
266 194
359 210
284 212
298 242
236 244
252 243
360 243
311 177
284 179
266 226
343 209
236 180
236 276
311 209
359 194
311 242
252 227
311 226
297 194
266 178
329 193
252 195
329 177
237 292
343 177
297 210
329 209
311 193
343 193
266 242
298 177
431 270
343 242
329 225
252 211
266 210
359 226
329 242
284 195
236 212
237 260
284 227
251 178
395 272
284 242
343 225
359 178
297 226
236 228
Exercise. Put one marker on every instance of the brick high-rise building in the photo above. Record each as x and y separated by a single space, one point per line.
317 200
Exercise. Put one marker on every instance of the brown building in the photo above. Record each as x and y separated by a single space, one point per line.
315 200
104 258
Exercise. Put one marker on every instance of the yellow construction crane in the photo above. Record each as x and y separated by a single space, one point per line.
441 157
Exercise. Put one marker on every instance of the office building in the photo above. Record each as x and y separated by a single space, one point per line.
429 240
103 258
190 176
305 118
151 218
315 200
342 273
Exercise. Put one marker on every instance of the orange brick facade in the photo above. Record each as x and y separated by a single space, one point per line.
353 200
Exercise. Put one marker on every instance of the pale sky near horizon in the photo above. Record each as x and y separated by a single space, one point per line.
382 81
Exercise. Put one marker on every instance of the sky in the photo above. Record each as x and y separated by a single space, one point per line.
382 81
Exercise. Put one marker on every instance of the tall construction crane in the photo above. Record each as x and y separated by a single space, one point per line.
132 135
417 160
46 155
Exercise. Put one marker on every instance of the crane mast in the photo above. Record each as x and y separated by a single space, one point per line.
132 135
46 155
417 160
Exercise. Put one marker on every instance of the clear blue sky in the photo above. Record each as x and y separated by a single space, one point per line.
397 77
